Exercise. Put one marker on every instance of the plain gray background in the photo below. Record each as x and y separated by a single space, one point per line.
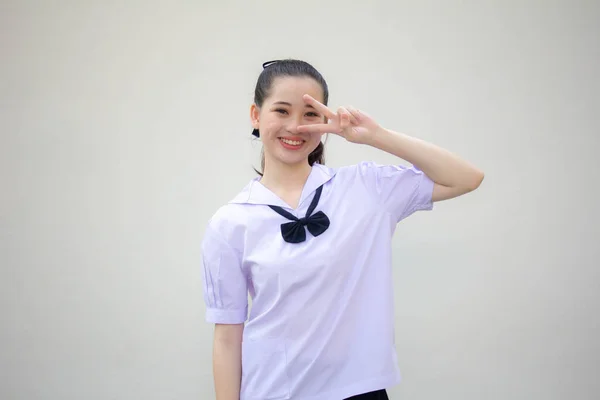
125 125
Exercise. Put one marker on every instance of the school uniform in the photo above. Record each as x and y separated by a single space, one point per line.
321 325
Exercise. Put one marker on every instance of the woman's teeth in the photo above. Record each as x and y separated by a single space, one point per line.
291 142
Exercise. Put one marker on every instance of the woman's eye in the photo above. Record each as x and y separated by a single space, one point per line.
312 114
281 111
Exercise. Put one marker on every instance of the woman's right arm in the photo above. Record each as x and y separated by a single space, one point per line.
227 360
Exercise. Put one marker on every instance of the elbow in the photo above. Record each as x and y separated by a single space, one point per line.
475 180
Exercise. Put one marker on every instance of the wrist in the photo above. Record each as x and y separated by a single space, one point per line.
379 137
392 142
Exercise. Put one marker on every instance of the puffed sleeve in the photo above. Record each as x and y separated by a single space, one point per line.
225 283
400 190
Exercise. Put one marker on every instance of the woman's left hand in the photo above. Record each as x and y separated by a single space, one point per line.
348 122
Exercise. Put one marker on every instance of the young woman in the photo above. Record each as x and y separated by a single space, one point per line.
311 245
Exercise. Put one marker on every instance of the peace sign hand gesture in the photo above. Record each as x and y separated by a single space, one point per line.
350 123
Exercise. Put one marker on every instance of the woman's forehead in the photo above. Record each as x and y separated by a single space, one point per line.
290 89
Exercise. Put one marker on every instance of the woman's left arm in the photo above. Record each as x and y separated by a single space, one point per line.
452 176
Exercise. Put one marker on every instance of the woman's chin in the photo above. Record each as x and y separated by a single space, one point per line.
292 157
292 160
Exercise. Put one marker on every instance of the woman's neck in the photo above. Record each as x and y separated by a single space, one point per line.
285 179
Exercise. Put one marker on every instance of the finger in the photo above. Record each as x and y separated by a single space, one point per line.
315 128
343 115
346 118
322 108
355 113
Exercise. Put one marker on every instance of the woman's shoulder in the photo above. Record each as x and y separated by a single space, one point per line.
369 168
358 170
229 221
376 177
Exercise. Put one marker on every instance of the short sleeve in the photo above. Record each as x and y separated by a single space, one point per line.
225 283
400 190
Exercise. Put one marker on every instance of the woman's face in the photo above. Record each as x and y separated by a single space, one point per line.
280 115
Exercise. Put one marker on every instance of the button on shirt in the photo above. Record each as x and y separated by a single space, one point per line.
321 325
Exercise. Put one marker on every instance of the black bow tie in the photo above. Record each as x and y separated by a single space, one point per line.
293 232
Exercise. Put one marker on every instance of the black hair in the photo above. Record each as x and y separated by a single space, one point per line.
288 67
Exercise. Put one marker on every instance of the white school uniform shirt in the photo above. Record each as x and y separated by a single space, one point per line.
321 325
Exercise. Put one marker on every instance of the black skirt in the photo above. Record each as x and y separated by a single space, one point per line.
376 395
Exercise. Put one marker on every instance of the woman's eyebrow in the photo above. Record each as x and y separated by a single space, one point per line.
285 103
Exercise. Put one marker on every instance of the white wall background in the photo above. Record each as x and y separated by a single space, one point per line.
125 125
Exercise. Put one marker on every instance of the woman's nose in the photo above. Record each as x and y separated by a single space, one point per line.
293 123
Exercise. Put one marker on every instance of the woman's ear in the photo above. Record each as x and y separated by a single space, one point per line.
254 115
